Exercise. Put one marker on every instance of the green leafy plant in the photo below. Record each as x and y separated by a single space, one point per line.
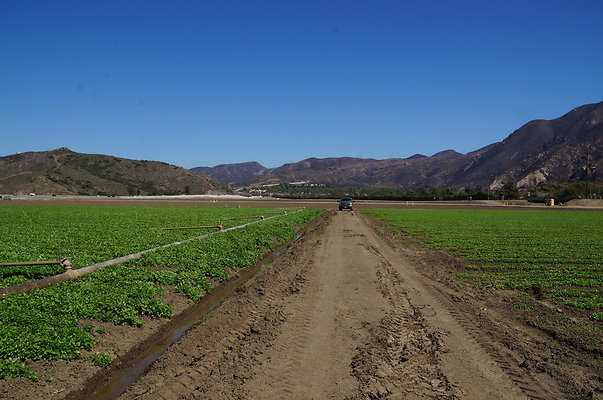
102 360
598 316
14 368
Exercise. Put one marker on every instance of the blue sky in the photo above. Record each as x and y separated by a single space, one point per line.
200 83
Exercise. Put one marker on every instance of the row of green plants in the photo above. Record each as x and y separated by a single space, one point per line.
89 235
46 323
560 253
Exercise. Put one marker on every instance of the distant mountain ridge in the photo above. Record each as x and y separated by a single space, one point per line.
542 151
539 151
232 172
63 171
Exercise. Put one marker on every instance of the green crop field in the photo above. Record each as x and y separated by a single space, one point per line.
560 253
44 323
93 234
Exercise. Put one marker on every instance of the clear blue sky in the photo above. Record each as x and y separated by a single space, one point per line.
200 83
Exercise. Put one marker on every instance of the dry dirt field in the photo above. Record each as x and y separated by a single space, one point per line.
349 311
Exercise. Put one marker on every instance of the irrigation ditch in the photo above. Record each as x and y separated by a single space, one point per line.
110 383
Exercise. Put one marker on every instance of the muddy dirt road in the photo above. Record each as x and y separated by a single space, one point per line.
343 315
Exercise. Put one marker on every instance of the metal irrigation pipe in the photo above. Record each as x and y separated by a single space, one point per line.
63 262
220 227
72 274
254 216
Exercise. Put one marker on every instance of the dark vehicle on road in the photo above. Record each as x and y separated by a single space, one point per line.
346 203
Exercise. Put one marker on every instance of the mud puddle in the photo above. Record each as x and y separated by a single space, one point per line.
108 385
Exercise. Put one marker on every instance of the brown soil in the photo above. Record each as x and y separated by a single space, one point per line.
350 311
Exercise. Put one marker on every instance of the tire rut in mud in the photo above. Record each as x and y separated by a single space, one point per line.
402 355
280 370
507 360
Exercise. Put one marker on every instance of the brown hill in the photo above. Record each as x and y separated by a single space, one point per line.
232 173
539 151
63 171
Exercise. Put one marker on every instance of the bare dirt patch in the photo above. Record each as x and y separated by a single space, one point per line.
588 203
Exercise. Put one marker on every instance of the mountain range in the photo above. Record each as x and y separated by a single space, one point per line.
541 151
567 148
63 171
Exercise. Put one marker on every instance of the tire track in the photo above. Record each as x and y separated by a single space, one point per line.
401 359
280 371
504 359
304 362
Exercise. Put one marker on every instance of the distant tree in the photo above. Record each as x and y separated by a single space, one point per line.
576 190
423 191
509 191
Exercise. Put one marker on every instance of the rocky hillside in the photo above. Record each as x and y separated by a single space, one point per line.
541 151
557 150
63 171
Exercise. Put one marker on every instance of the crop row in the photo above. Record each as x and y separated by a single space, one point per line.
45 323
89 235
561 252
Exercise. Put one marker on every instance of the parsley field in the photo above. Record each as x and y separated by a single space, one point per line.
558 252
89 235
43 324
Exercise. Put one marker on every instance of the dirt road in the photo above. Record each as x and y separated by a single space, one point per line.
344 315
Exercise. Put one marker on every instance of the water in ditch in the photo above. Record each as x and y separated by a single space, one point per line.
117 380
